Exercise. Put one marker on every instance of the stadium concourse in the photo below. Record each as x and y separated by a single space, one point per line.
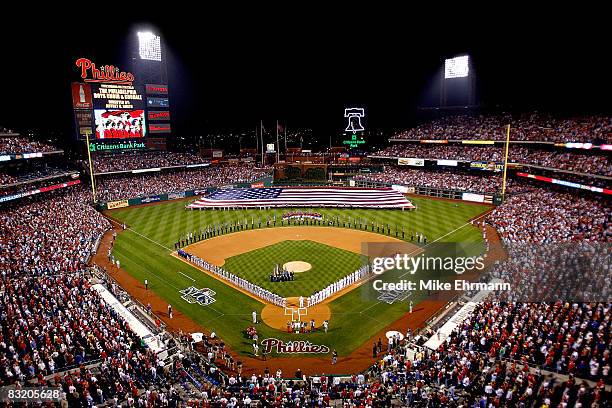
61 327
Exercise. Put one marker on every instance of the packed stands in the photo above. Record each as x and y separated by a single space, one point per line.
564 160
470 370
18 144
33 174
117 187
435 179
532 127
545 217
104 163
55 232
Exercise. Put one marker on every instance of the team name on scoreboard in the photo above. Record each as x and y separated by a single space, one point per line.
104 73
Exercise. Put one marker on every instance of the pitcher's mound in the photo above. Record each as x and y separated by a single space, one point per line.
297 266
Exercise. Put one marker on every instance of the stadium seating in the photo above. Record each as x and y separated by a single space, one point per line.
571 161
104 163
531 126
502 353
18 144
117 187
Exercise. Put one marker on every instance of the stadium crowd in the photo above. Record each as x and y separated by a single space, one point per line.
18 145
52 319
143 160
50 233
33 174
558 336
571 161
531 126
543 216
117 187
460 376
435 179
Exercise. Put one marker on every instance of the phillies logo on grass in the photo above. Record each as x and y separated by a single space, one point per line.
292 347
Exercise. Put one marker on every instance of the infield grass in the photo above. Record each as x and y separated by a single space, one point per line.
144 251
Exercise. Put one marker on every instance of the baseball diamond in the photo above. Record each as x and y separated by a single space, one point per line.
254 212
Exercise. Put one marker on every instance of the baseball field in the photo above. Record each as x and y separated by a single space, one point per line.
146 249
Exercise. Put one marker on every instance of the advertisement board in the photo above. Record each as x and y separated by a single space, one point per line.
116 146
119 124
83 120
487 166
151 199
446 162
478 198
478 142
158 102
156 89
81 96
407 161
117 204
158 115
176 196
157 128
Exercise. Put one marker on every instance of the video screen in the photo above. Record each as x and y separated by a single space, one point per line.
119 124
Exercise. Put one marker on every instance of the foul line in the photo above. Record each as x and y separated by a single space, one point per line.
161 278
187 276
420 248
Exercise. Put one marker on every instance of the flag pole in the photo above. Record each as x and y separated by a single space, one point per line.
277 144
256 145
285 141
263 158
506 163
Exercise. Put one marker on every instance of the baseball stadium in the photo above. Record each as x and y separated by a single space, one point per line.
175 235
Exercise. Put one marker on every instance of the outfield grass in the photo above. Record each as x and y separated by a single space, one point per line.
144 251
328 264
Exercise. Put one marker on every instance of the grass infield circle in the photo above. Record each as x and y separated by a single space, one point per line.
297 266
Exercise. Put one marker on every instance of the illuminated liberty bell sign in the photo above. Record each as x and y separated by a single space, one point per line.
354 116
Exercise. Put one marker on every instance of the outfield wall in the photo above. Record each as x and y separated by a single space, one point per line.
484 198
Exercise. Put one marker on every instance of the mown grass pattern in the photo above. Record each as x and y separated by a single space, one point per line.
329 264
144 251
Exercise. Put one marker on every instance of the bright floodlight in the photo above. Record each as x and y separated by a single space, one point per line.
458 67
149 46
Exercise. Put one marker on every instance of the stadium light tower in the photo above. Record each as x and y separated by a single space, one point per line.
149 46
148 57
458 67
457 82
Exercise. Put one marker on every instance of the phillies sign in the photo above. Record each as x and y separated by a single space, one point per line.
104 73
292 347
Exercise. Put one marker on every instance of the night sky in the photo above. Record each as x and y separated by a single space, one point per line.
228 72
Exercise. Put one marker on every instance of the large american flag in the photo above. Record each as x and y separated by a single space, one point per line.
304 197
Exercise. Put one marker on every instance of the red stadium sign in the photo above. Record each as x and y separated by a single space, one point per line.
157 89
158 115
105 73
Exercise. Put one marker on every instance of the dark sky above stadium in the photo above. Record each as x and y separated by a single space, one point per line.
228 70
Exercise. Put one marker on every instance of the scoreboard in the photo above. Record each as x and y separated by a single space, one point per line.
110 104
